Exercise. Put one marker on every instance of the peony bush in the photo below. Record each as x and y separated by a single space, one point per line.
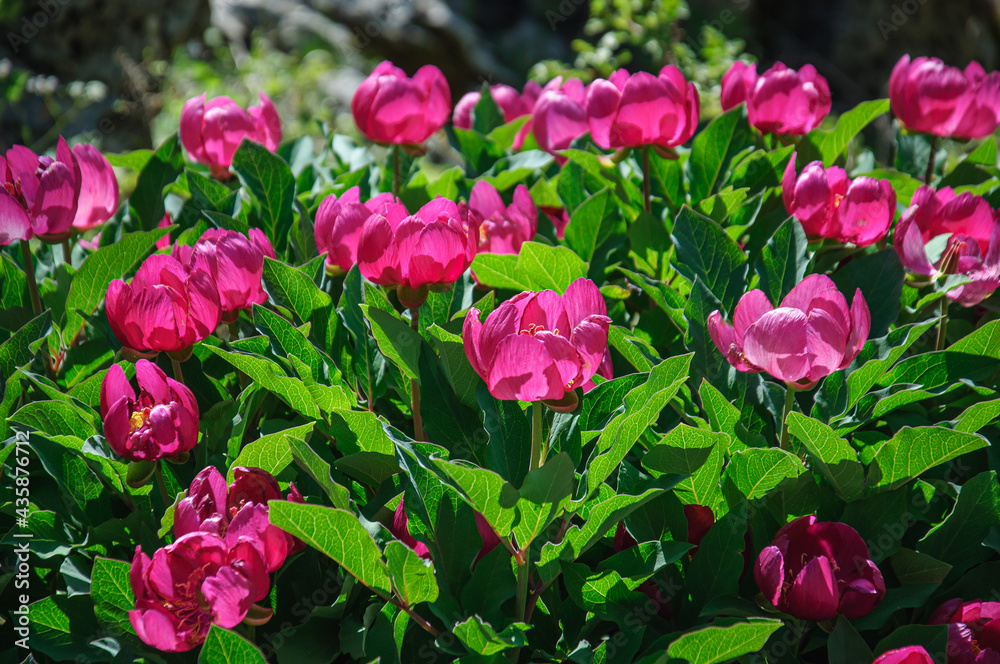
626 384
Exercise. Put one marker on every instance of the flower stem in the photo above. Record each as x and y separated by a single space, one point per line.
395 171
789 405
930 161
67 252
163 485
943 325
29 273
521 601
537 450
645 179
418 422
178 374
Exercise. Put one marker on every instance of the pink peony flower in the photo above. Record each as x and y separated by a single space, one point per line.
559 116
164 308
339 222
235 263
39 196
211 131
930 97
972 248
390 108
907 655
641 109
504 228
973 630
779 101
811 335
539 346
819 570
160 421
511 103
187 586
828 205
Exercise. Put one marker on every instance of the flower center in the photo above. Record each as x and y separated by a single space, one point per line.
138 420
535 328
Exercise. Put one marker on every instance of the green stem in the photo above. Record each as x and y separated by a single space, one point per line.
943 325
178 374
29 273
521 601
930 161
67 252
395 171
418 422
645 179
789 405
537 451
163 485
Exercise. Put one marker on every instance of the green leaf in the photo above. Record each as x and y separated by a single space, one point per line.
831 455
782 263
318 469
99 269
978 415
543 495
486 115
706 251
54 418
487 493
509 450
878 356
914 450
880 278
642 407
846 646
695 452
976 511
270 452
584 228
711 645
605 593
717 565
398 342
339 535
481 638
714 149
984 342
912 567
223 646
294 289
831 143
270 181
537 267
62 628
270 376
111 592
162 168
722 414
755 471
412 576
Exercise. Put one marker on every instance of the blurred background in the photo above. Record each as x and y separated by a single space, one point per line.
117 72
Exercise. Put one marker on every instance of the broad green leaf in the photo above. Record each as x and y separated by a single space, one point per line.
61 627
294 289
543 496
223 646
782 263
978 415
707 252
481 638
270 181
846 646
831 455
400 344
695 452
977 510
722 415
642 407
338 534
880 278
714 149
270 452
878 356
755 471
914 450
716 567
461 376
99 269
318 469
509 449
984 342
912 567
831 143
584 228
270 376
537 267
54 418
711 645
486 115
162 168
412 576
761 169
488 493
111 592
605 593
133 161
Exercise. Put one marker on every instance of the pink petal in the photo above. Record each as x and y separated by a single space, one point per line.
192 117
813 594
777 343
55 202
748 311
14 222
524 369
98 200
602 106
115 386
